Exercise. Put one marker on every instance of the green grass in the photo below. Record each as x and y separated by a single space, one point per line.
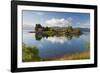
30 54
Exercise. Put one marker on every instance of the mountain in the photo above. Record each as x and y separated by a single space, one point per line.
82 29
28 27
85 29
58 27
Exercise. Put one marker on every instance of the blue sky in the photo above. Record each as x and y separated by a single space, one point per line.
59 19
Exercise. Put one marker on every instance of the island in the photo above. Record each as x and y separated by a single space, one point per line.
69 31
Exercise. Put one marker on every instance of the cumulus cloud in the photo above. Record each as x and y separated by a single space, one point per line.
60 40
58 22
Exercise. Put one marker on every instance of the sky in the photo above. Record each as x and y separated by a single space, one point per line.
55 19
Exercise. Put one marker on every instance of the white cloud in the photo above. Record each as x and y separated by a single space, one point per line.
60 40
58 22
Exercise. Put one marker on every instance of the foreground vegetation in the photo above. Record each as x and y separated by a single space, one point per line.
77 56
30 54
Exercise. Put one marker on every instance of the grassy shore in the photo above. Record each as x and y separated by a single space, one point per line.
77 56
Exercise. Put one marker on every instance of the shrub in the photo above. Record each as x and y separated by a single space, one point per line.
30 54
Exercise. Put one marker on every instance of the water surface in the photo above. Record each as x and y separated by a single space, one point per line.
56 47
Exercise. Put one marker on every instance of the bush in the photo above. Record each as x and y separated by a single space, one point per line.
30 54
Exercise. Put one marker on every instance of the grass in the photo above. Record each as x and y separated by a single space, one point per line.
30 54
77 56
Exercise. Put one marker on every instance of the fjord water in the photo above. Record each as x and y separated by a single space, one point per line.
56 47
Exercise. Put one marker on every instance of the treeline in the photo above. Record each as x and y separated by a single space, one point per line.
50 31
39 27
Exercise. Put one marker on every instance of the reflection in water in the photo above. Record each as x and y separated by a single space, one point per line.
39 36
55 47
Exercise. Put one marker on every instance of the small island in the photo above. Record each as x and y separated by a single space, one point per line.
69 31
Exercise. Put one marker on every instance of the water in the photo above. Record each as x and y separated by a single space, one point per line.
55 47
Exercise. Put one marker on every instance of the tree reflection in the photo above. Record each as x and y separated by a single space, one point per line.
39 36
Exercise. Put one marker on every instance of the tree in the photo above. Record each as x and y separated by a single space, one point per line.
69 29
46 28
38 26
77 31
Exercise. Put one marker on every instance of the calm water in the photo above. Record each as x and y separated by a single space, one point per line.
53 47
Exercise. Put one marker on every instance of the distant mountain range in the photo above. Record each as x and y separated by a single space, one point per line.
82 29
27 27
85 29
